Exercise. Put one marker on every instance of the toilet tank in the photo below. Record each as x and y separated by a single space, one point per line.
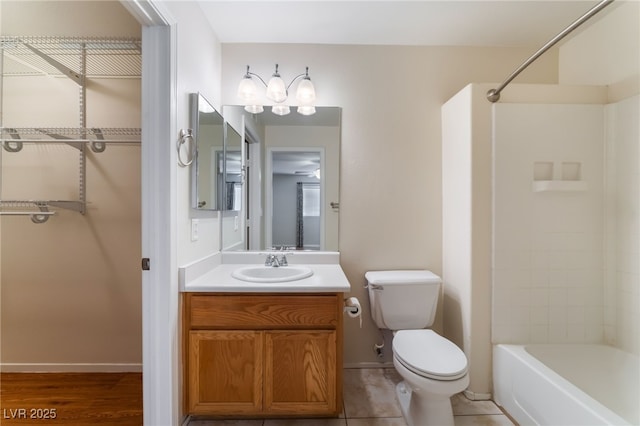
402 300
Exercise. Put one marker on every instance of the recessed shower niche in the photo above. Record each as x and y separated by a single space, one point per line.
558 176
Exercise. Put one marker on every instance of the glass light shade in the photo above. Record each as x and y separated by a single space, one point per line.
247 90
306 93
254 109
280 109
306 110
276 89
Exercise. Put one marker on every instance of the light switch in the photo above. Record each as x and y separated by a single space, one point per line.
194 229
236 223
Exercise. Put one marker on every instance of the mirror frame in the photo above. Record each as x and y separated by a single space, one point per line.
196 101
228 129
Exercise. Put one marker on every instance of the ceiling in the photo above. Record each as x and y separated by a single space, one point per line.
429 23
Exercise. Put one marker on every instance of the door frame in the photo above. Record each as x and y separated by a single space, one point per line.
160 293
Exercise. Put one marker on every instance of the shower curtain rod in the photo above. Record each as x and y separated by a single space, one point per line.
493 95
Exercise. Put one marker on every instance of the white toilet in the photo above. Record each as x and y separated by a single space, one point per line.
433 368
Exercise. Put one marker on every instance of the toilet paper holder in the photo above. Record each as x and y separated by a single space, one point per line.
352 305
352 308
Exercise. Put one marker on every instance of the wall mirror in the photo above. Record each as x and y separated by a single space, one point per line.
291 194
207 185
233 169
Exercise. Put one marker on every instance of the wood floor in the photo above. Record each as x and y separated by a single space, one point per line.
77 399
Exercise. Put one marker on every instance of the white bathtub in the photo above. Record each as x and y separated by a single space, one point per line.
567 384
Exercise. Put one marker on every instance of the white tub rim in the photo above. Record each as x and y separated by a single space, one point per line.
580 397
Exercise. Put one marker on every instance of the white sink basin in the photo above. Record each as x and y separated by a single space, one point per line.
269 274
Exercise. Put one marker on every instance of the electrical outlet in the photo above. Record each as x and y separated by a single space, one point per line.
194 229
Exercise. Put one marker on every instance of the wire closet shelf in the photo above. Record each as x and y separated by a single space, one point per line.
78 59
56 56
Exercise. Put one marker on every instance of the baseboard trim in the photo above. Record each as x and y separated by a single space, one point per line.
70 368
388 364
477 396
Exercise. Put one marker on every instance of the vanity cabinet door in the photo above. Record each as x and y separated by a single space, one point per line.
263 355
300 372
225 371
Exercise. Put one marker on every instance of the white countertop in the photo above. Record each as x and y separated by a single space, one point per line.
214 275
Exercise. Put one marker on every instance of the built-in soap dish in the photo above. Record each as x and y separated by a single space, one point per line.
559 186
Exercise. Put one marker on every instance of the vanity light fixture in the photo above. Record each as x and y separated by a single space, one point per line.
278 92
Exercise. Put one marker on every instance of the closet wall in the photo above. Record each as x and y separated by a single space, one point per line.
71 287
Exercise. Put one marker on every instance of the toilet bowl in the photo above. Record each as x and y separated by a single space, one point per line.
433 368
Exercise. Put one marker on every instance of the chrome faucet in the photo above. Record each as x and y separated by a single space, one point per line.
274 261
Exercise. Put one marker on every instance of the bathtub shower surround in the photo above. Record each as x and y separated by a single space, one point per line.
565 272
548 223
566 224
546 384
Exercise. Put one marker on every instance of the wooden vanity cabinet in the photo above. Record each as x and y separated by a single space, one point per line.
261 355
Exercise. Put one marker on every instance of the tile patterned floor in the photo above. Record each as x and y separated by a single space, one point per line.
370 400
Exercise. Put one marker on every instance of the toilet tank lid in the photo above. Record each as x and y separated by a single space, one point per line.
402 277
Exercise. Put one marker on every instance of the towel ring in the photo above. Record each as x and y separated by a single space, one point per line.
186 138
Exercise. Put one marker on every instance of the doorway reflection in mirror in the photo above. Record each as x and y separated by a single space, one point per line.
296 194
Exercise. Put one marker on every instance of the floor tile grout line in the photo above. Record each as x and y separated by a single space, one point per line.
375 417
478 414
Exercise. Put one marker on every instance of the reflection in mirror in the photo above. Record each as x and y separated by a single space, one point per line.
207 172
295 191
233 169
282 152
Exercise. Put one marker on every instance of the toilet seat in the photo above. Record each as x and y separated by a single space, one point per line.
429 355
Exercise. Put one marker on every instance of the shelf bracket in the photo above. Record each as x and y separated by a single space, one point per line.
78 78
76 206
76 145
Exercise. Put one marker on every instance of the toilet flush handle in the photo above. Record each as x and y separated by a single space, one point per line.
374 287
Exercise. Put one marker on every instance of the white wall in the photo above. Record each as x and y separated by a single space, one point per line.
457 216
607 51
198 70
71 295
622 224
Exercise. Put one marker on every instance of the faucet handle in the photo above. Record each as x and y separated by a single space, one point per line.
283 260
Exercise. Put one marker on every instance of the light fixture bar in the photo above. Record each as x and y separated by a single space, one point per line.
278 92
